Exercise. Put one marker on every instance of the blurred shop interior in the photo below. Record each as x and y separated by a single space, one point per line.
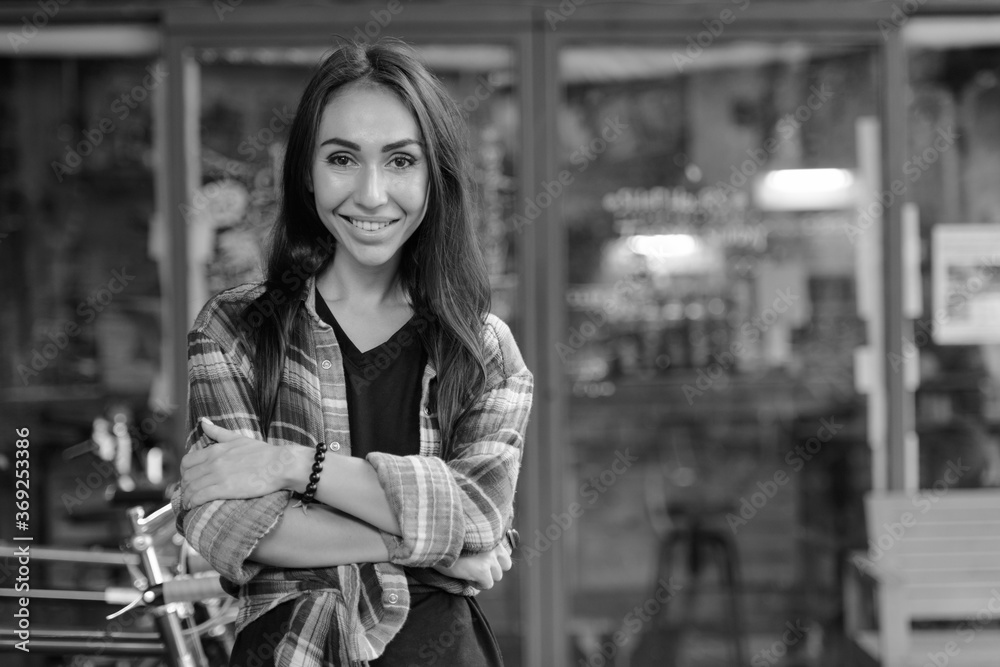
749 252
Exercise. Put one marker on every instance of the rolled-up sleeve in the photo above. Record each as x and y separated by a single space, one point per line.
464 504
225 532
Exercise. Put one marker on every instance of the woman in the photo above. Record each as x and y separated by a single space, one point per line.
370 357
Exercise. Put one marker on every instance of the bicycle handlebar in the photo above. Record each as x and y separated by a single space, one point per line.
70 555
184 588
192 588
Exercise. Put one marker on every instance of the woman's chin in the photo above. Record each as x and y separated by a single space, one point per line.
372 257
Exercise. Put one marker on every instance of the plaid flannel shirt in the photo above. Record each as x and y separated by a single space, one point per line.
347 614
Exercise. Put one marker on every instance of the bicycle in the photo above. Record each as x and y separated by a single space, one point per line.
193 616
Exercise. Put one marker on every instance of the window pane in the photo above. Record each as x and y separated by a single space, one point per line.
76 211
713 322
953 149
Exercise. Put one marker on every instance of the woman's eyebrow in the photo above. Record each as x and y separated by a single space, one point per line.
385 149
399 144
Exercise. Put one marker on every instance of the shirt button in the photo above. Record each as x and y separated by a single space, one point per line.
393 598
327 364
335 447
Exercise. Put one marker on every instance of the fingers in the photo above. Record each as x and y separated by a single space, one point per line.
193 458
217 433
486 571
503 558
485 582
497 562
194 481
195 463
481 570
494 574
196 496
188 460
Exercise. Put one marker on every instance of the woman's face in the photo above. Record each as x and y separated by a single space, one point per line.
369 174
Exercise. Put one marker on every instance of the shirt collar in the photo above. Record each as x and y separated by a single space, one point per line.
309 298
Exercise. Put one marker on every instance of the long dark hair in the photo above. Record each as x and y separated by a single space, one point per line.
441 270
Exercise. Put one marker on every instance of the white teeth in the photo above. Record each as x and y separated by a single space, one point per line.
369 226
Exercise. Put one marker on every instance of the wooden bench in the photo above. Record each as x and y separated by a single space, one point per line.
933 556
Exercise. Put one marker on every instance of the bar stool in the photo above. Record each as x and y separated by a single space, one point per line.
700 544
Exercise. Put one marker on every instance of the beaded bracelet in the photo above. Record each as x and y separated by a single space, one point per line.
317 468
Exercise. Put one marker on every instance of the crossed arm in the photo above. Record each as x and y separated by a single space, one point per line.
343 528
241 486
322 538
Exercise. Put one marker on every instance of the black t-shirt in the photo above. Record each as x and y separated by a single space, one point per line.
383 405
382 382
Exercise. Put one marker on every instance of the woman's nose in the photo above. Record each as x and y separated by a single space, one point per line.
371 191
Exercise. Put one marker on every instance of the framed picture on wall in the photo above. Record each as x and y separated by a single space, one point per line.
966 283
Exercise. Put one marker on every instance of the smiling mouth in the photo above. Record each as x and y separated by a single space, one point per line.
369 225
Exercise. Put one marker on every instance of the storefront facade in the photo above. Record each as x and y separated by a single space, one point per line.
718 230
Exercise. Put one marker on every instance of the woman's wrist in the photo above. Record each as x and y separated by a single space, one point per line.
299 468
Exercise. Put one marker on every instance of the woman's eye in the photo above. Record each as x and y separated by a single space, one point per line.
402 161
339 160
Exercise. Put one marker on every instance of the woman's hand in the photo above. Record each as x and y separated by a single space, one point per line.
482 570
235 467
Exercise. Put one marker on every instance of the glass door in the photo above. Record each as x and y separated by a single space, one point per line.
714 310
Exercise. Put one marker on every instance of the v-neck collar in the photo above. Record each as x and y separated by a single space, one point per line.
350 348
